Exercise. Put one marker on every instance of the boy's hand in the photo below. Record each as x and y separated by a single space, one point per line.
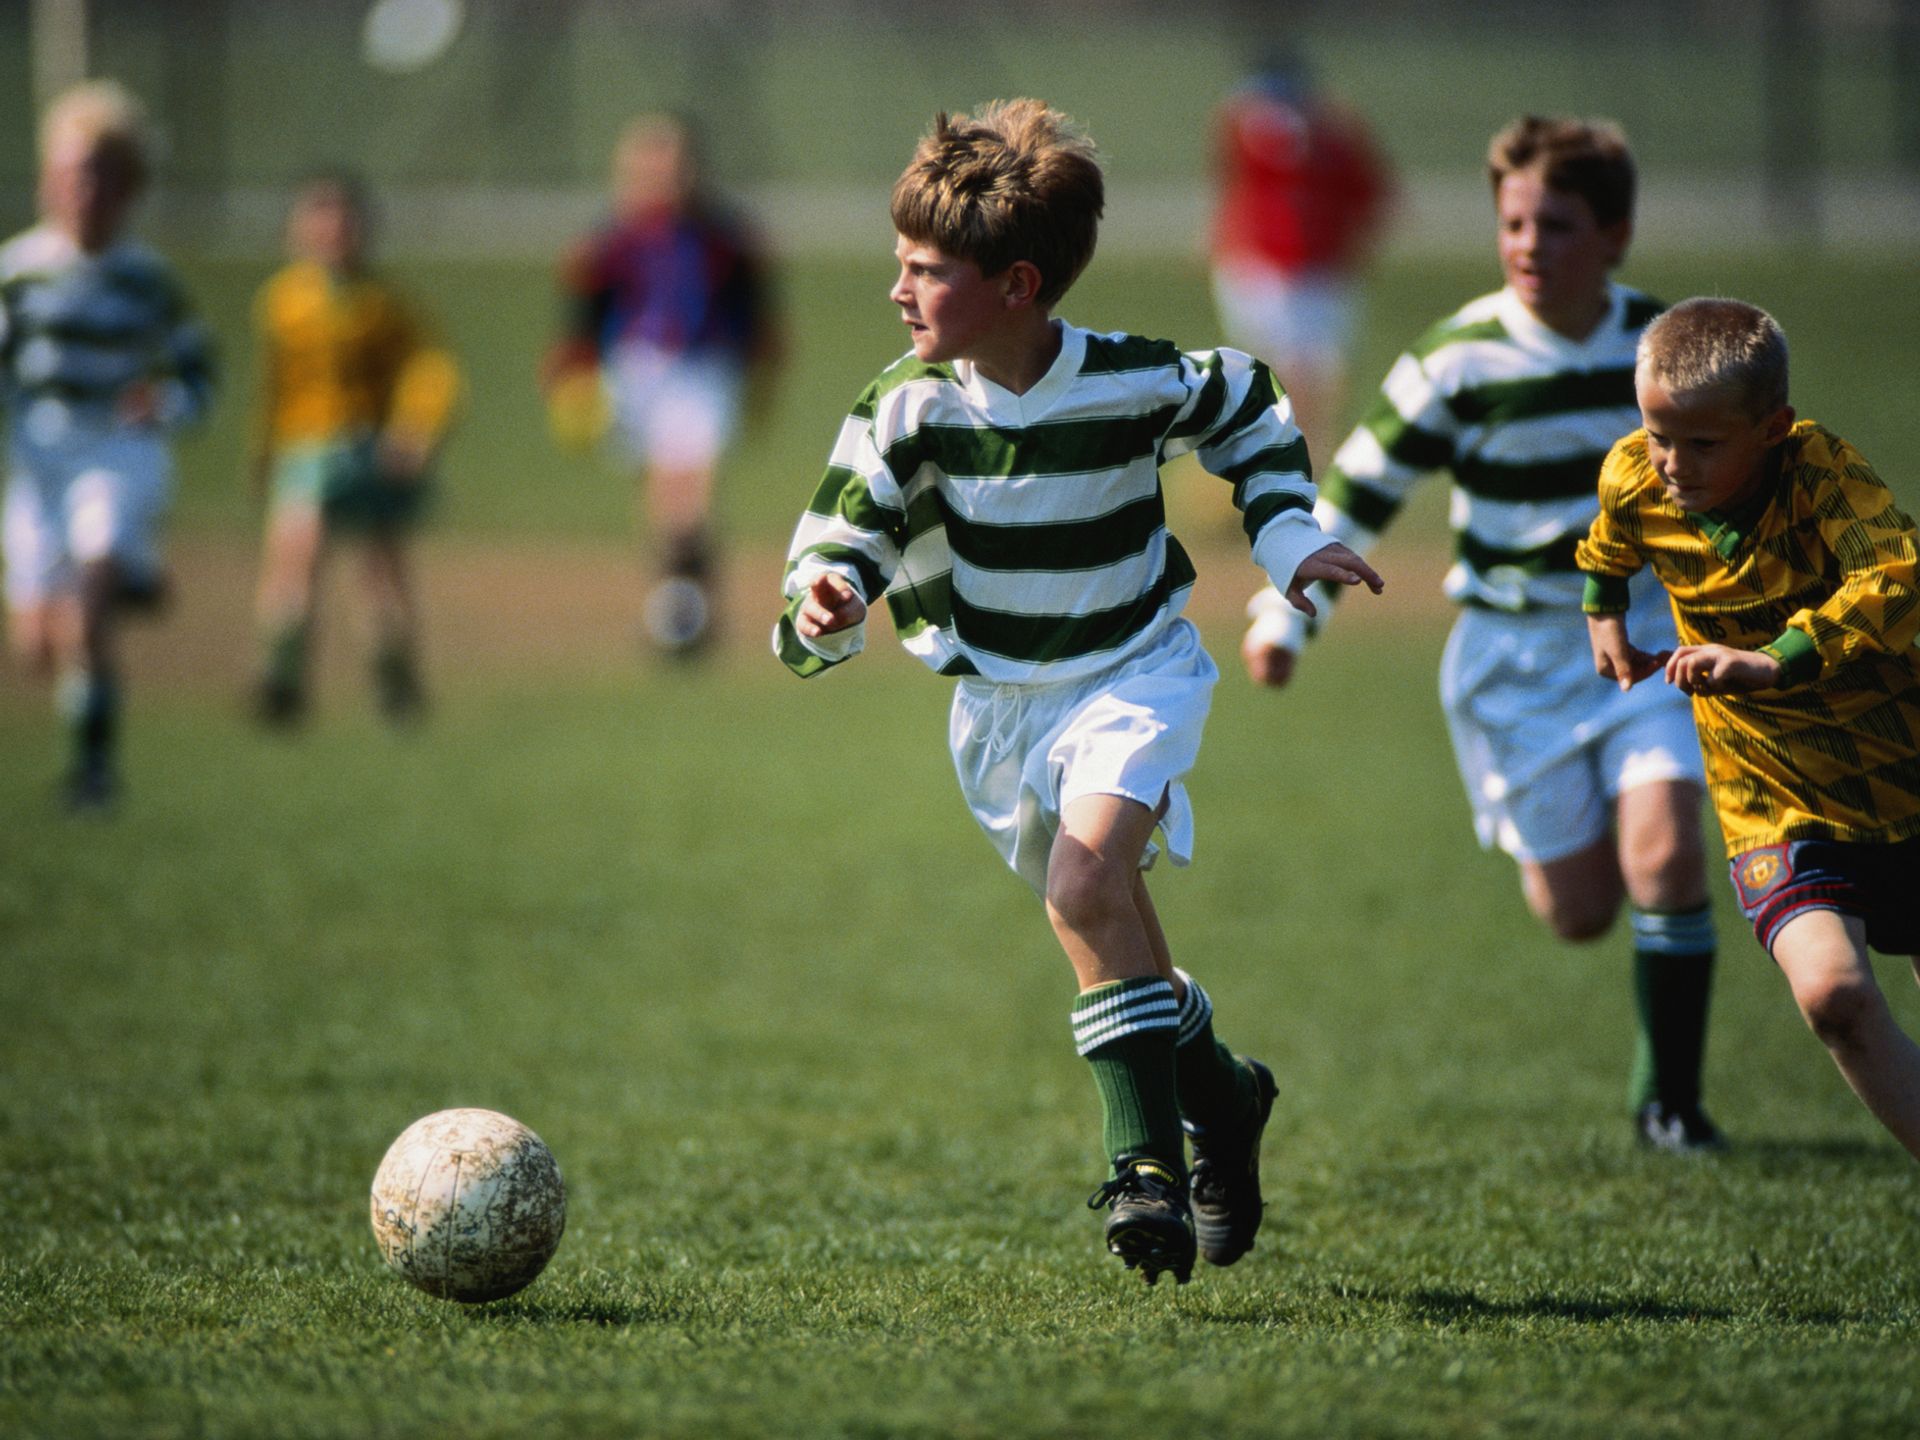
1722 670
831 605
1266 662
1615 657
1335 564
138 404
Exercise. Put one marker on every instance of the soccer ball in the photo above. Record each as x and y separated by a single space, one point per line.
468 1205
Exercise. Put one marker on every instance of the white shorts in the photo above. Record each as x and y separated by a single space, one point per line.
674 410
1304 320
1545 745
91 498
1025 752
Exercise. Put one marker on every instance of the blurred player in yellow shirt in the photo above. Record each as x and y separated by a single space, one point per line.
354 402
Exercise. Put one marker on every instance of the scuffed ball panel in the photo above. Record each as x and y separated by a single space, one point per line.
468 1205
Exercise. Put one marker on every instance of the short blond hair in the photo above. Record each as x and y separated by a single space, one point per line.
1017 180
1705 344
1588 158
105 112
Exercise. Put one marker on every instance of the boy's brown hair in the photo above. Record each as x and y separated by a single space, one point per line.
1016 181
1702 345
1588 158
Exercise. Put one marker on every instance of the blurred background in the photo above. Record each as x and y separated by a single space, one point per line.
1779 143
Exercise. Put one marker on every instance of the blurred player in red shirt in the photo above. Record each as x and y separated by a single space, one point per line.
1303 193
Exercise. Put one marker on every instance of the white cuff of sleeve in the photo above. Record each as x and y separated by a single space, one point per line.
1275 622
1285 543
840 645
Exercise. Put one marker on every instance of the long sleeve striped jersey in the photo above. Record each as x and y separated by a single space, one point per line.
76 330
1024 537
1521 417
1820 571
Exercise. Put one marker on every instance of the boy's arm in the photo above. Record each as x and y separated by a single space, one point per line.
1608 558
853 531
1875 609
426 389
1406 435
182 393
1241 425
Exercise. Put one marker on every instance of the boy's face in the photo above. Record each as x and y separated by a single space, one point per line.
87 187
1708 449
325 227
951 310
654 170
1556 257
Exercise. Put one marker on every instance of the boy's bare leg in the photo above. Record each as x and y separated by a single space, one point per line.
1823 954
1664 869
1657 862
1092 875
1126 1024
90 690
289 565
284 606
389 581
1577 895
679 502
34 632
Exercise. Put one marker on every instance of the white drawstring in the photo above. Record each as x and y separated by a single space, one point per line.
1003 719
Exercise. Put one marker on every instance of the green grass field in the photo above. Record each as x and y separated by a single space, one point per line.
731 945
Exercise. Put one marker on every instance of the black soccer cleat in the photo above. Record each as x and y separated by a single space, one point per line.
277 706
1225 1180
91 789
1150 1228
1677 1130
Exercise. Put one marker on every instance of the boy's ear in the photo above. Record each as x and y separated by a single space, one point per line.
1020 283
1619 236
1775 427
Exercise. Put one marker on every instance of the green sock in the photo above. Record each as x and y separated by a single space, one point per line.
1214 1088
1126 1030
285 667
91 704
1672 980
395 678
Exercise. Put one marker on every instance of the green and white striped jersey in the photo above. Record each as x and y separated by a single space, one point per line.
77 329
1024 537
1521 417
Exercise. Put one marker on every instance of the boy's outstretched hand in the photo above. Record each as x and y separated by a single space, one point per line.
1335 564
1615 657
831 605
1722 670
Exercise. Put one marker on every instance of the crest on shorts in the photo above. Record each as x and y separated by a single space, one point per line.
1759 871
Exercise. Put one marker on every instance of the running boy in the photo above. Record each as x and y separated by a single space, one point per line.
99 362
1595 794
354 401
1000 486
668 311
1792 574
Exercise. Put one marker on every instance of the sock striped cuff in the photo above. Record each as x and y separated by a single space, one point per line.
1196 1010
1126 1007
1686 932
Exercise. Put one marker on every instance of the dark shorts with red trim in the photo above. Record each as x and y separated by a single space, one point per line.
1879 884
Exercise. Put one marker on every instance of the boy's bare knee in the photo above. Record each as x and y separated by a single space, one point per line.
1579 926
1083 887
1839 1008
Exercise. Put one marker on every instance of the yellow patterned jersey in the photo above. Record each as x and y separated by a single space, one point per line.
344 355
1817 570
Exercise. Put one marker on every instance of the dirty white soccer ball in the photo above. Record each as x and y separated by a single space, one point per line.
468 1205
